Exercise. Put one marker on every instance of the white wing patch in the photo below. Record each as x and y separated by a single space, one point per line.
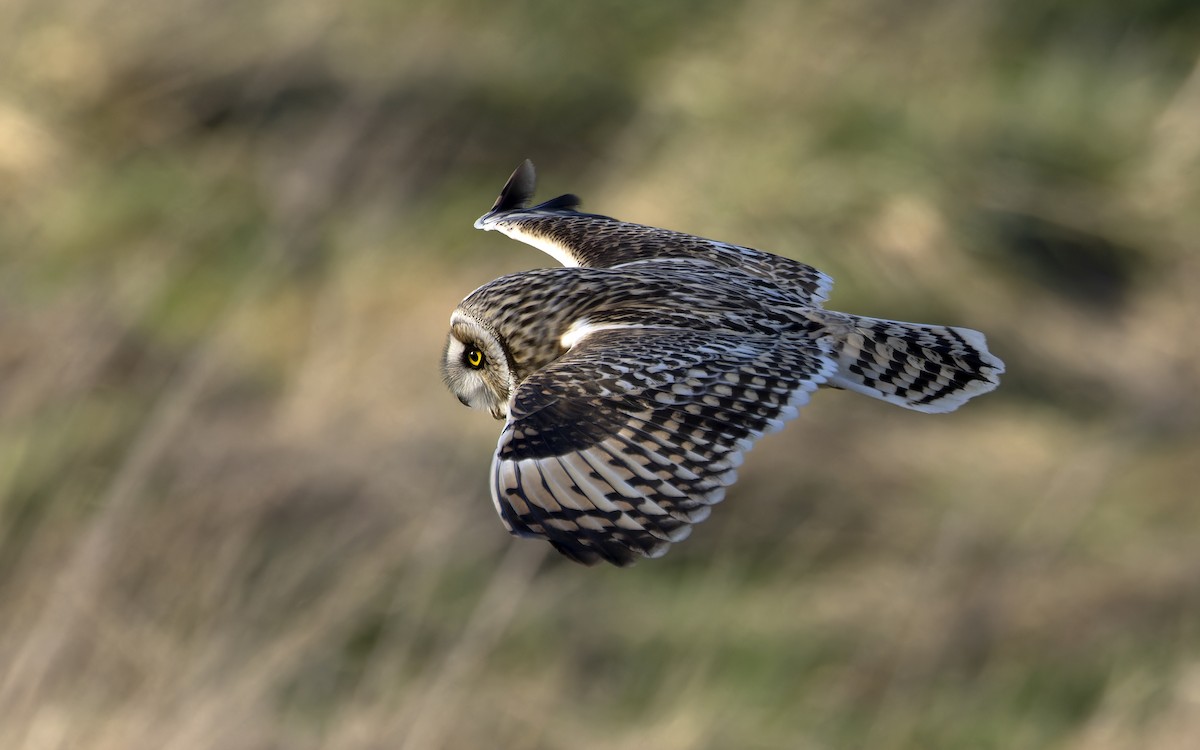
583 328
515 230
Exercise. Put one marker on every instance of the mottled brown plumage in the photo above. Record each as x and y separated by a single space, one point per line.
633 379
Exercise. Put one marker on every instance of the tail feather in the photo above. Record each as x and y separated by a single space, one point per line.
926 368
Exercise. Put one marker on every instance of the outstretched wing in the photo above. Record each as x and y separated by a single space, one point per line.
616 449
579 239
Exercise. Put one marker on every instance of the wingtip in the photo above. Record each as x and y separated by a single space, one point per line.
517 193
567 202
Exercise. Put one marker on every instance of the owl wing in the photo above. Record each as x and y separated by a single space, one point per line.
589 240
617 448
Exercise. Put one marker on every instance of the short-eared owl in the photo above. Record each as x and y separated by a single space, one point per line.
633 379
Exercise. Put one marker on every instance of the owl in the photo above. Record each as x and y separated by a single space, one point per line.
633 379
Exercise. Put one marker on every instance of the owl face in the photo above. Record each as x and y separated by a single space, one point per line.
476 365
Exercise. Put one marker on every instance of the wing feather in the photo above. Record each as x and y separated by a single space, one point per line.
589 240
656 453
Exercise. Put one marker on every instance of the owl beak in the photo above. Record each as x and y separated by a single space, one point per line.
463 400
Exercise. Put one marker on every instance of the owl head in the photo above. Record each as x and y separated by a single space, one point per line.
476 366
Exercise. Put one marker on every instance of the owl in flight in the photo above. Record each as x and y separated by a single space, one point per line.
633 379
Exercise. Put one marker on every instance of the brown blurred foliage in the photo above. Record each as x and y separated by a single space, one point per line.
239 510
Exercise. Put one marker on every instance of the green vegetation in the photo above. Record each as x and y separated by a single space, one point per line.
238 510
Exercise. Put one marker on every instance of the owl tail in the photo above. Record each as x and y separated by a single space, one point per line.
922 367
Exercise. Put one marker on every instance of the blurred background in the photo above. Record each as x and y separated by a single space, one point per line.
239 510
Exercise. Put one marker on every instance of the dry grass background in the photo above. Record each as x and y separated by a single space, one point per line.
238 510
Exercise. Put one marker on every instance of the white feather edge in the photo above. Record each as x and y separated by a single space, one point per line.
582 328
559 252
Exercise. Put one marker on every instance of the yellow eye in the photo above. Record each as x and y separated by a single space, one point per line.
473 358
